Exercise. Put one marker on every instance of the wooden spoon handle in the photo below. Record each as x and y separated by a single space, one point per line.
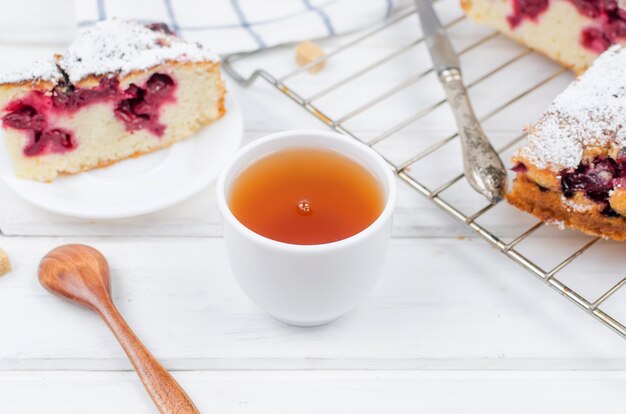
167 394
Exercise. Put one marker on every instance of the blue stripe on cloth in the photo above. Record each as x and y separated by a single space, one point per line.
389 9
84 23
323 16
101 12
171 15
245 24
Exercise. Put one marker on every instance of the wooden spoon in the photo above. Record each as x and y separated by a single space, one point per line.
81 274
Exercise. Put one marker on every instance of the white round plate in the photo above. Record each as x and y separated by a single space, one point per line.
139 185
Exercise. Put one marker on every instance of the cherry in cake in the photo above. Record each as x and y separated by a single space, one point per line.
572 32
572 168
121 90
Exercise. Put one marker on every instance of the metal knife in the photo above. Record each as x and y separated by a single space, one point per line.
483 167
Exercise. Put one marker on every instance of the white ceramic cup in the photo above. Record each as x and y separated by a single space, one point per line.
307 285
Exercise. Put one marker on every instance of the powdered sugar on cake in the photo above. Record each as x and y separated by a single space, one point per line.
113 46
43 70
575 206
121 46
591 112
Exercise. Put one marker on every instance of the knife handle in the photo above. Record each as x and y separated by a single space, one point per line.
483 167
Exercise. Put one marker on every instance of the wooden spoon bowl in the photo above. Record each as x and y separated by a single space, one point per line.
81 274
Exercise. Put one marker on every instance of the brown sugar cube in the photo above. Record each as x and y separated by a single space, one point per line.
5 264
307 52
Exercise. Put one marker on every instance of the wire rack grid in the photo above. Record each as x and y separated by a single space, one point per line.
509 248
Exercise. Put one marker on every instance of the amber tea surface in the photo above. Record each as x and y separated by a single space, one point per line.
306 196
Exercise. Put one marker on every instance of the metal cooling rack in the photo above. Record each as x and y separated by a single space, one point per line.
592 307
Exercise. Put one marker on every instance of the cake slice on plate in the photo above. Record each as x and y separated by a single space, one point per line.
121 90
572 169
572 32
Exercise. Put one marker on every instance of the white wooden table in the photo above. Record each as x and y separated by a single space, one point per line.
452 327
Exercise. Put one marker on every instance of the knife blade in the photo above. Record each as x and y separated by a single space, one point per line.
441 51
483 167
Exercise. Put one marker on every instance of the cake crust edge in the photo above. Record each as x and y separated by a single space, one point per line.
548 206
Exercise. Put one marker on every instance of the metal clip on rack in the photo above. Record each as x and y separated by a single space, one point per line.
592 307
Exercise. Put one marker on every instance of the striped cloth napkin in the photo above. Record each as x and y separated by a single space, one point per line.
229 26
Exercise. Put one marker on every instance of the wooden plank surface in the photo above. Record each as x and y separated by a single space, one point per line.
441 303
453 326
309 392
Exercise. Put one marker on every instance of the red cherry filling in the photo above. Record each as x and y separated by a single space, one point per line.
593 8
519 168
25 117
66 97
611 20
42 138
141 110
595 39
161 27
138 107
595 180
526 9
55 140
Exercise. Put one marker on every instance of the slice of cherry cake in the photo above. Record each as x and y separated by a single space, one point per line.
572 168
122 89
572 32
